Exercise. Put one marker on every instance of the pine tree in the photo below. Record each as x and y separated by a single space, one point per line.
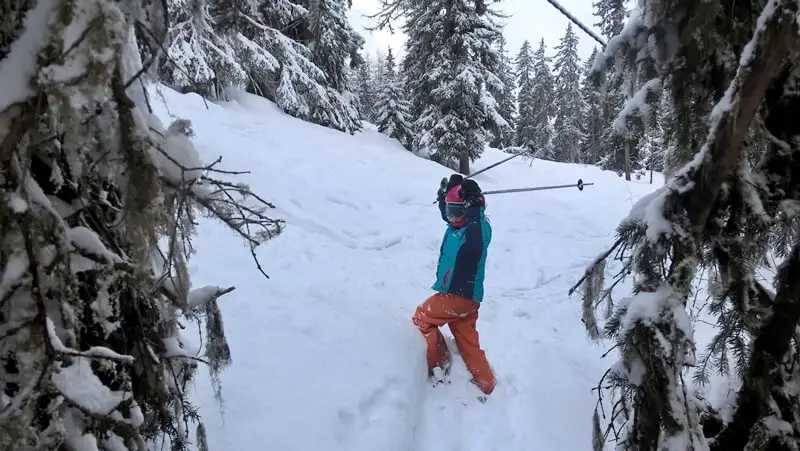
100 201
525 125
536 101
392 109
612 14
506 106
263 48
569 102
653 144
724 212
378 63
616 147
592 114
198 55
449 65
332 41
365 90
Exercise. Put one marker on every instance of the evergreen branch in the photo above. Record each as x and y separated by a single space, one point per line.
769 348
730 123
596 261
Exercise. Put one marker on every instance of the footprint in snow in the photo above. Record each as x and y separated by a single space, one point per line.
382 404
522 314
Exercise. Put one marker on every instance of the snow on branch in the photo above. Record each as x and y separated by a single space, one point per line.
638 106
625 40
660 241
773 40
95 352
200 297
92 188
18 68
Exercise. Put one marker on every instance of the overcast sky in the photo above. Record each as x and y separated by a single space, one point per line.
529 19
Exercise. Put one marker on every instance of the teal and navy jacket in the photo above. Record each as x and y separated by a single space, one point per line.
462 257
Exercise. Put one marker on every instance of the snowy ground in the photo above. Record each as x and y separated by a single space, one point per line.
325 357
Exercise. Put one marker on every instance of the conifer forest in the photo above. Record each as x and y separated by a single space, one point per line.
100 200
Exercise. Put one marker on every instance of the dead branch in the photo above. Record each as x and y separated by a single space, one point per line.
596 261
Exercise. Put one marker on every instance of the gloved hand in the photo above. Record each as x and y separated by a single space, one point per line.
471 193
447 185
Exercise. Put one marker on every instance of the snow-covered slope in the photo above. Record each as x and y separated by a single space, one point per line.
325 356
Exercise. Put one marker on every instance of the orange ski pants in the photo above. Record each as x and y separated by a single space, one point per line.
461 315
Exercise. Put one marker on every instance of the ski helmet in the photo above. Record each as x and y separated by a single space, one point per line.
454 208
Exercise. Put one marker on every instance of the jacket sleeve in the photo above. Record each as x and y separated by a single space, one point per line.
469 256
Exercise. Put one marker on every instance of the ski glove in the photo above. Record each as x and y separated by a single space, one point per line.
446 185
471 193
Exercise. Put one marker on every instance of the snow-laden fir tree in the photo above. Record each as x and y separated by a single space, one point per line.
591 146
568 130
98 204
392 111
261 47
652 146
199 56
506 101
524 126
332 41
450 61
536 101
612 15
731 73
365 89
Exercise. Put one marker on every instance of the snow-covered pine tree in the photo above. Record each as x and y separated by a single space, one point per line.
612 15
506 102
535 101
199 56
392 111
450 58
524 126
569 102
98 203
377 63
365 89
731 72
259 46
652 148
332 41
592 114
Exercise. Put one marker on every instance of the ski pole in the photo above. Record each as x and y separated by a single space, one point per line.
579 185
492 165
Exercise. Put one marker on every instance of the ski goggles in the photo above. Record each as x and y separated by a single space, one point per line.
455 212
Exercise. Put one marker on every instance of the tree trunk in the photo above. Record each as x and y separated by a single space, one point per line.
626 164
463 163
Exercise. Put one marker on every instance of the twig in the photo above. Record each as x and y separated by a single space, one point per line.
597 260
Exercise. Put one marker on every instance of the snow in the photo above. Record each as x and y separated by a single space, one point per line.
79 384
17 203
637 105
767 14
19 66
325 356
99 352
86 240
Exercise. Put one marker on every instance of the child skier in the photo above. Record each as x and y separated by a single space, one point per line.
459 283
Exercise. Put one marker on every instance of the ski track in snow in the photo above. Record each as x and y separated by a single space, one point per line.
325 356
